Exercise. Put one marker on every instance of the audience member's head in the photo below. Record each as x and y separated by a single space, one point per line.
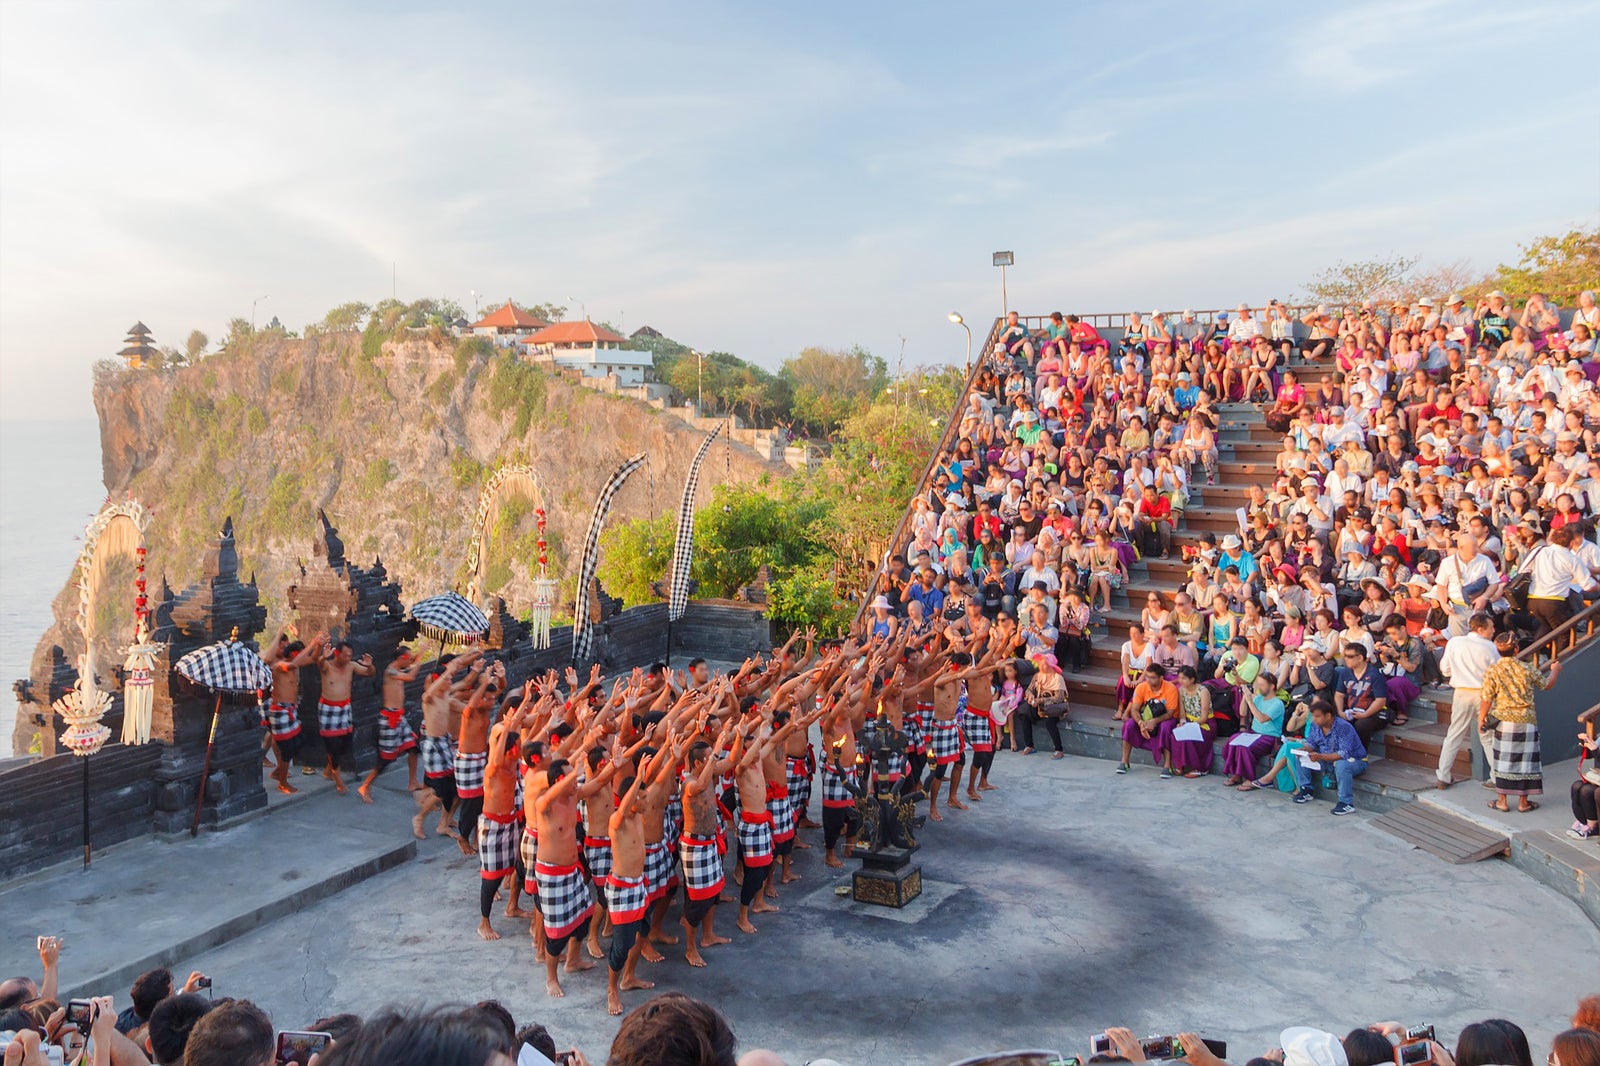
150 988
15 991
1491 1044
537 1037
1364 1047
1588 1014
673 1030
493 1012
170 1023
339 1026
235 1032
1575 1047
448 1037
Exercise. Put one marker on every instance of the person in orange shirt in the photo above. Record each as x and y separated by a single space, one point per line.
1152 716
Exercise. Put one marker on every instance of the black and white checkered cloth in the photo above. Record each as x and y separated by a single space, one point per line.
627 899
582 629
798 771
683 542
335 719
529 847
781 807
978 731
469 773
438 757
834 790
564 898
919 724
702 866
497 844
227 666
450 618
395 735
283 719
659 870
946 745
597 856
755 838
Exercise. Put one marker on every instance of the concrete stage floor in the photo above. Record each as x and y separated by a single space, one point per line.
1071 900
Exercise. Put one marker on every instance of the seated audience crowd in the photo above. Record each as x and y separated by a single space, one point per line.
180 1027
1439 462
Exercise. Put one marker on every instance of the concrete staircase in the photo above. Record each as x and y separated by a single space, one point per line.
1403 757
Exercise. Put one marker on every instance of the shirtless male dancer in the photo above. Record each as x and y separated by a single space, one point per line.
564 898
336 722
978 726
395 735
768 787
595 792
438 748
472 752
702 857
286 657
500 824
627 895
944 748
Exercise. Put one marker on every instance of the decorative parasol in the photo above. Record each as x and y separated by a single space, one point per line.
83 707
224 667
138 690
450 618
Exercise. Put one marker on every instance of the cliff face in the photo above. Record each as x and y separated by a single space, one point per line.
394 442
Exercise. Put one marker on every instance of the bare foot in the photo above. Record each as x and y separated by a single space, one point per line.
593 949
649 953
711 941
552 988
692 956
366 797
745 926
518 912
955 805
613 1002
833 861
761 906
935 816
986 787
789 877
339 787
800 845
466 849
486 931
286 788
661 937
634 984
972 795
577 964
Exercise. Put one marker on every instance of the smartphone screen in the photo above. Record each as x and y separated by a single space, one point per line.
296 1048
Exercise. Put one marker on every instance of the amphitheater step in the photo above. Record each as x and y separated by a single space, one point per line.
1451 838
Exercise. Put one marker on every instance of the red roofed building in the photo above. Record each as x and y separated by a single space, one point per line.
592 349
509 320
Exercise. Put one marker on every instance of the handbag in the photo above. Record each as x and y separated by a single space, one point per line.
1152 710
1053 709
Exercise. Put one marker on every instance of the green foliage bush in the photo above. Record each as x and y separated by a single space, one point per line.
519 387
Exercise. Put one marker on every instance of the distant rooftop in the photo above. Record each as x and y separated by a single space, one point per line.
509 317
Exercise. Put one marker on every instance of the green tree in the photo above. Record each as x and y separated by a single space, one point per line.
239 333
548 312
346 318
828 385
1385 278
1560 267
195 346
635 554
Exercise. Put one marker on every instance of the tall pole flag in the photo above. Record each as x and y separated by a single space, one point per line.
683 543
582 631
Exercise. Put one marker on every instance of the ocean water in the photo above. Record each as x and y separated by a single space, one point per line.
50 485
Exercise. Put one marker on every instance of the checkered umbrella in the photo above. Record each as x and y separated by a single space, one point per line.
450 618
226 666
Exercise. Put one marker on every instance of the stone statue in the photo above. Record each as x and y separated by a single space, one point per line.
887 818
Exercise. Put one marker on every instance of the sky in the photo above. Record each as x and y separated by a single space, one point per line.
754 178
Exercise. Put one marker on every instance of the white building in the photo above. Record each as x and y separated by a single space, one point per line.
594 350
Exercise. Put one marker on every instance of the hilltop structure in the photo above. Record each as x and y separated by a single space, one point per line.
508 321
594 350
138 349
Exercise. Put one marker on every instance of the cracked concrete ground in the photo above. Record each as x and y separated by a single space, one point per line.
1076 899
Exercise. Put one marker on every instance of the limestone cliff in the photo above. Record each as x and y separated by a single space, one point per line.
394 441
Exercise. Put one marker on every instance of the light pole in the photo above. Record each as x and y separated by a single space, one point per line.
583 307
1003 260
253 303
699 384
958 320
475 295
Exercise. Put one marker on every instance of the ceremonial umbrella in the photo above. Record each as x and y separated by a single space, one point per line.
225 667
450 618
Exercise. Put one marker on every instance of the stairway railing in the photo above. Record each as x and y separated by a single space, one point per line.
946 441
1577 632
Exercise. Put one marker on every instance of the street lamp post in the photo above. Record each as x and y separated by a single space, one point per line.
699 385
958 320
1003 260
253 303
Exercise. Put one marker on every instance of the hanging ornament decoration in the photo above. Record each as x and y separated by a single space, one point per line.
82 708
138 687
544 590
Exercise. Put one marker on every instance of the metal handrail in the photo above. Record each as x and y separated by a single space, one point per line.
946 442
1577 632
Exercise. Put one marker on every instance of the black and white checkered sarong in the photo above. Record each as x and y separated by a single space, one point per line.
978 731
469 773
497 844
755 838
438 757
946 746
564 898
798 771
335 719
283 719
529 847
395 735
781 808
597 857
702 866
627 899
659 870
